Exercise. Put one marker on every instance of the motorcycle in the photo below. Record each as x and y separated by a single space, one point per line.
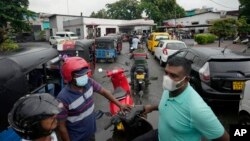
130 125
140 85
121 88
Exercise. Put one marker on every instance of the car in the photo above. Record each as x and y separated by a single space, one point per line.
218 74
244 106
53 40
67 35
166 48
154 39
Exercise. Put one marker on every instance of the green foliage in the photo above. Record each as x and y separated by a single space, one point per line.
42 35
8 45
245 9
160 10
242 26
14 14
224 27
124 9
204 38
100 14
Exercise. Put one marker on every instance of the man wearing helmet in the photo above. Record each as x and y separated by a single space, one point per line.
33 117
77 121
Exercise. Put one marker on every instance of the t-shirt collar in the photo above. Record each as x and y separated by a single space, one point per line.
181 97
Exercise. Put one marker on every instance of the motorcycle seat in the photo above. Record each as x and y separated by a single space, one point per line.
140 68
119 93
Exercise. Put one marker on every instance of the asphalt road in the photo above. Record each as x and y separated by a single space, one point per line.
226 113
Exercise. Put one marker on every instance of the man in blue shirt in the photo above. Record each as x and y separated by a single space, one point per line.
183 115
77 121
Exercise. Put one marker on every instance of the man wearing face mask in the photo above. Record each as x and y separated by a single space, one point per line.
77 121
183 115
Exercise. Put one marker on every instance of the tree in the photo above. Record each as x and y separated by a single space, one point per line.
242 26
14 14
224 28
124 9
160 10
245 9
100 14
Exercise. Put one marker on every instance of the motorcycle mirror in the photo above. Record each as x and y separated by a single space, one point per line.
153 78
100 70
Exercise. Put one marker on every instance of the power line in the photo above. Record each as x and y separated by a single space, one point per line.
222 5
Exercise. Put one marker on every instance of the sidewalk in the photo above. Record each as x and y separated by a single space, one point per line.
228 43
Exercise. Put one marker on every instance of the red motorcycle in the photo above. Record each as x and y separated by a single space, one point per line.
121 88
131 124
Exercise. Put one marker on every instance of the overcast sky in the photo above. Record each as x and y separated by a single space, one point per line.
75 7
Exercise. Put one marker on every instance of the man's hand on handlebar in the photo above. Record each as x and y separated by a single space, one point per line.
125 108
149 108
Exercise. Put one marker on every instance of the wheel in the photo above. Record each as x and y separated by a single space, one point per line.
155 57
244 119
161 62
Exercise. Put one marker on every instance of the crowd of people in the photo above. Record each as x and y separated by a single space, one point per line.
183 115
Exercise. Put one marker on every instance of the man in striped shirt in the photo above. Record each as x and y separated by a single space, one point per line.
77 121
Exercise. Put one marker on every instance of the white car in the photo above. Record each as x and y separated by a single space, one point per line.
244 107
166 48
53 40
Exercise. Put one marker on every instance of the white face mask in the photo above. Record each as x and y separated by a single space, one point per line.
171 85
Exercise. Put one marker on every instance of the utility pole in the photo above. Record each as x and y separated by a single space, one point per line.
82 20
175 18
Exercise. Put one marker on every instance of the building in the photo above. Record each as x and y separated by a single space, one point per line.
198 22
86 27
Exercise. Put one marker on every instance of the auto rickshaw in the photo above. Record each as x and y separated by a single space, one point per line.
118 39
106 48
82 48
25 71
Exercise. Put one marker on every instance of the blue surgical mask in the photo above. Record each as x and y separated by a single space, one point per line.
82 80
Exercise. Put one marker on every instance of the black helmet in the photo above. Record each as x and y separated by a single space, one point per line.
28 112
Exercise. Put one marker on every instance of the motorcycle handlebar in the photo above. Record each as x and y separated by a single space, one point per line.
138 109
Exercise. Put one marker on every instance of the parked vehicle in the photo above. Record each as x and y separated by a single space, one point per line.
67 35
154 39
166 48
242 40
217 74
244 107
106 48
83 48
26 71
121 87
129 126
53 40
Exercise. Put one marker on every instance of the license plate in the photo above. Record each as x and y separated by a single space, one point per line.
107 55
140 76
238 85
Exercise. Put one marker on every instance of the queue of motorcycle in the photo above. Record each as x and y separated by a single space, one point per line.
127 125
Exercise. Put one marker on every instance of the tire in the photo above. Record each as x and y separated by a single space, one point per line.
161 62
244 119
196 84
155 57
